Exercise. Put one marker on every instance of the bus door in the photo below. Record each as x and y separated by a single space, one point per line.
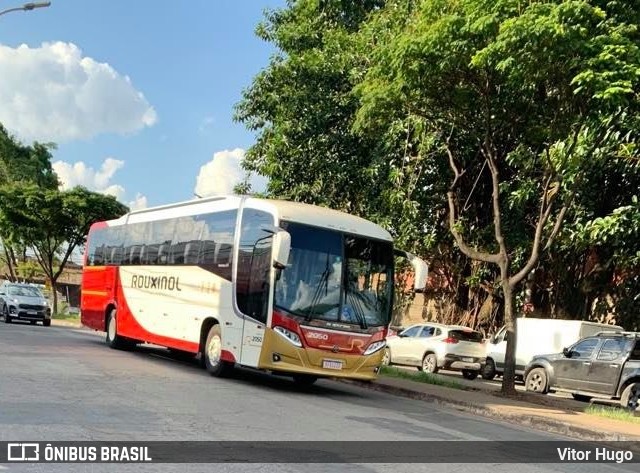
253 281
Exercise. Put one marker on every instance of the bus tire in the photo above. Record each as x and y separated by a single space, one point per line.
212 353
112 339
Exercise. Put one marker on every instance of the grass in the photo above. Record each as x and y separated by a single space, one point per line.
615 413
420 377
67 316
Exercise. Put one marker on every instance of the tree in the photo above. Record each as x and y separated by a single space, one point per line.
521 98
53 223
302 106
23 163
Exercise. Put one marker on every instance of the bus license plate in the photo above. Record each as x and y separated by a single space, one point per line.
332 364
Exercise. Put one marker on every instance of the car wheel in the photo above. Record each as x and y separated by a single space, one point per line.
429 363
631 397
386 357
489 370
5 313
537 381
469 374
212 353
46 322
581 397
304 380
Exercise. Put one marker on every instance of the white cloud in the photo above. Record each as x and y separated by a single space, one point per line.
79 174
54 93
139 203
224 172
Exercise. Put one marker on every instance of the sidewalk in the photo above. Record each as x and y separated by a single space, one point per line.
549 414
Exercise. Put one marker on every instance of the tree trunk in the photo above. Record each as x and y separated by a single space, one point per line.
54 311
10 265
509 376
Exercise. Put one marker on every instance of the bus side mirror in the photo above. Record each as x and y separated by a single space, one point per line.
281 248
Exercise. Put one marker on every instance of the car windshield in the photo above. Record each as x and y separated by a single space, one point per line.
24 291
337 277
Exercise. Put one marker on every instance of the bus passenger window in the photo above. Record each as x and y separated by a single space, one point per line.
191 251
163 254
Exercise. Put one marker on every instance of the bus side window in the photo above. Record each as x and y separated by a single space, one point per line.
191 251
216 245
163 253
208 252
113 245
187 230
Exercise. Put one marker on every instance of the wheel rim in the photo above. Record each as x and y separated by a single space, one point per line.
536 383
428 364
386 358
111 330
214 350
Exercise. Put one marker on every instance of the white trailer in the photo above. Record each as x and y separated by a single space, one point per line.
537 337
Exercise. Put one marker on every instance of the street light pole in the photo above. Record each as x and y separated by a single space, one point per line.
27 7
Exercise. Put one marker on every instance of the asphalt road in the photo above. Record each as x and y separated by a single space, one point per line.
64 384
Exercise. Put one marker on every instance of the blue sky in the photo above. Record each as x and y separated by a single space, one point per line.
189 60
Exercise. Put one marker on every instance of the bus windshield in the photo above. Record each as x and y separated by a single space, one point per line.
336 277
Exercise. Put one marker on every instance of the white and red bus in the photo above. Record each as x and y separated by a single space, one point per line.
286 287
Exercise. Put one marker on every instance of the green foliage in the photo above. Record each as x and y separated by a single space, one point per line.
52 222
362 99
21 163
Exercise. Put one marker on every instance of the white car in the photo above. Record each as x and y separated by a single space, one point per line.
431 347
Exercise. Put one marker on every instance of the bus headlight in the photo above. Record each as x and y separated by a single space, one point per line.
292 337
374 347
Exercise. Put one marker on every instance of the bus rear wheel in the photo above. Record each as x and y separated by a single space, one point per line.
113 339
212 354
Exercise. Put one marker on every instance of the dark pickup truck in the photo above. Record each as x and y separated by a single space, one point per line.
606 365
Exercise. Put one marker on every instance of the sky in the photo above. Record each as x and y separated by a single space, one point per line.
138 95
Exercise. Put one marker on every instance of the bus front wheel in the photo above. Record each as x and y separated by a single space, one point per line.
212 353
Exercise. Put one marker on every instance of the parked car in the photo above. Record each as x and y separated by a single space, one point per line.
432 347
24 302
606 365
536 337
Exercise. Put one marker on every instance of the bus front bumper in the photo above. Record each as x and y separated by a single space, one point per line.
280 355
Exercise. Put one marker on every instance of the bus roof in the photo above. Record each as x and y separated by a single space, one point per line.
284 210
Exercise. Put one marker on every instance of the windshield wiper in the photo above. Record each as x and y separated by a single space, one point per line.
324 281
357 308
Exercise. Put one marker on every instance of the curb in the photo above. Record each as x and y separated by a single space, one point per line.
535 422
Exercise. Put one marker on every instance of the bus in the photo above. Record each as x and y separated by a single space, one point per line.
289 288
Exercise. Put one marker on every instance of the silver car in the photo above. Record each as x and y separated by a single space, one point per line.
431 347
24 302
